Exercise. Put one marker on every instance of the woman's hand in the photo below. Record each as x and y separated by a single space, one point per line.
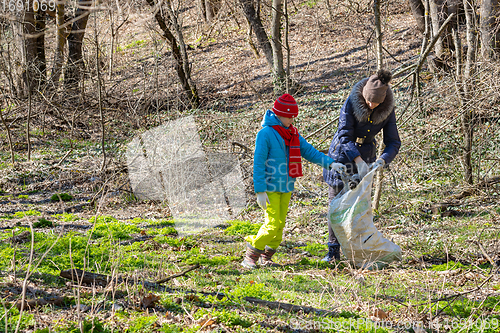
361 166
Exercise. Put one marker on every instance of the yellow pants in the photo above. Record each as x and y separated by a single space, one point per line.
271 232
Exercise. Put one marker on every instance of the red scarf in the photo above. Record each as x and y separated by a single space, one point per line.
291 137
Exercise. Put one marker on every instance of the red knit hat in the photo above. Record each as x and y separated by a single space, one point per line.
285 106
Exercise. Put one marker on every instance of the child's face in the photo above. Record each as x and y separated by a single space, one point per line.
285 121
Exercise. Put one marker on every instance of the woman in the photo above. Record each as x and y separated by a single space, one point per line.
368 109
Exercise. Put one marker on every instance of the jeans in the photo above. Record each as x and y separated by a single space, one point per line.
332 193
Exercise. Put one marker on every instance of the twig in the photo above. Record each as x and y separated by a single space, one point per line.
459 294
178 274
486 254
322 128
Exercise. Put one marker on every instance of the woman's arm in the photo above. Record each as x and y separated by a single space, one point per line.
391 139
346 136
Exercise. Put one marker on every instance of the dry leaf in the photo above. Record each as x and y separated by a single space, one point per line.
149 301
143 232
380 314
192 298
206 322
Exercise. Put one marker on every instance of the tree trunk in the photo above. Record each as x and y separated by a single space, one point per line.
75 65
488 13
212 9
203 10
417 9
28 47
61 35
468 115
180 59
378 35
262 39
41 62
380 65
278 72
437 18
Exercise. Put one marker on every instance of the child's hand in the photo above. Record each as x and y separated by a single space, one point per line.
339 167
262 200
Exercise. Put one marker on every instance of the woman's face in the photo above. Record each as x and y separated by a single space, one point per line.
372 105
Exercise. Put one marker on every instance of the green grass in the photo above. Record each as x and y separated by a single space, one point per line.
31 212
65 217
65 197
242 228
43 223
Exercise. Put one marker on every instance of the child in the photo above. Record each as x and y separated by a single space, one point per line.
277 162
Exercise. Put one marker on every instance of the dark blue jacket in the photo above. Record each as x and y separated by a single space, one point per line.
358 121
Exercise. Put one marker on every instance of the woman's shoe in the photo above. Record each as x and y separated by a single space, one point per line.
333 252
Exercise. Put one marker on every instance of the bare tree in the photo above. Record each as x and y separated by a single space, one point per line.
489 39
380 64
278 71
75 64
253 17
417 9
178 46
468 84
61 35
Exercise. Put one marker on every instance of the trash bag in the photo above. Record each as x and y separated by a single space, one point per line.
351 217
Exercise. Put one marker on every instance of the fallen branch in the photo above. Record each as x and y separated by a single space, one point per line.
485 254
290 307
77 275
178 274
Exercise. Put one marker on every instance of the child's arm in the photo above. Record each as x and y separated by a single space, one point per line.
259 162
312 155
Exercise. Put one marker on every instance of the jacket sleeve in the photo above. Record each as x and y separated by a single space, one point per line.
346 131
312 155
259 162
391 139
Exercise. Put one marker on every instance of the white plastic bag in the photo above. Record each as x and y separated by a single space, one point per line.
351 217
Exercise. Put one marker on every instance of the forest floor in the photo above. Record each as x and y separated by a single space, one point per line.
60 212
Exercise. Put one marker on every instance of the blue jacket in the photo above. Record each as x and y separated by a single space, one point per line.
270 162
358 121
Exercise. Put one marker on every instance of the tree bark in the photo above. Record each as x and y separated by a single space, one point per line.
28 46
180 59
61 35
194 98
378 35
488 12
380 65
437 18
212 9
40 61
278 72
262 39
75 65
469 69
417 9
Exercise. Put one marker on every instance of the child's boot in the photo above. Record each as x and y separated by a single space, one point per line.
333 252
251 257
266 257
